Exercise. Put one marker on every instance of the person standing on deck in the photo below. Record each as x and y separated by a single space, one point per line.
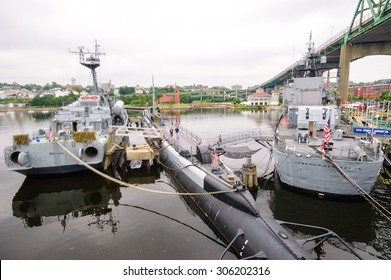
177 132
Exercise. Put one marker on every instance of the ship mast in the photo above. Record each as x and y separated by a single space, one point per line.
310 64
92 62
153 97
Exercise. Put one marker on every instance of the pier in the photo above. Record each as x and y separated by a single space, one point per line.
186 141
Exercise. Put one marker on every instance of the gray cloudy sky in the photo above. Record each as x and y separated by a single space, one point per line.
210 42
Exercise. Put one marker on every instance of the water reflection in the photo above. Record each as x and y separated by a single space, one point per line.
66 198
140 175
45 206
355 221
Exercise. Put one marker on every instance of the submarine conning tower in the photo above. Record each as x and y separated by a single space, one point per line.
187 173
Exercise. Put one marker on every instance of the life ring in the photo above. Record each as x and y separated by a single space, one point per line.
85 97
94 97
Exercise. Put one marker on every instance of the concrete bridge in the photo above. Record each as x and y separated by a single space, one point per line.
368 34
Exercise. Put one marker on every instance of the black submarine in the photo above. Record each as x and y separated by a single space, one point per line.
230 209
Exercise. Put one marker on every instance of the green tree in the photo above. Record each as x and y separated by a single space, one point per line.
126 90
385 96
185 98
77 88
236 101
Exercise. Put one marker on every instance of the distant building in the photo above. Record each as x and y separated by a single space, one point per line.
107 86
369 91
236 87
195 87
260 97
169 97
138 89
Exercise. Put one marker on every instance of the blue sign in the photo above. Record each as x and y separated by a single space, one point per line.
372 130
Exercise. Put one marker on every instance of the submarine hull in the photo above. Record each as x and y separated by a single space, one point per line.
234 217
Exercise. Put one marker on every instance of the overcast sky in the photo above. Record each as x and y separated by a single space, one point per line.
210 42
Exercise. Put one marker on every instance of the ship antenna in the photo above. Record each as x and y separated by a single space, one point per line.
153 96
92 62
310 63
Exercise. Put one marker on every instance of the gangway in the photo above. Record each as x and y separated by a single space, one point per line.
222 141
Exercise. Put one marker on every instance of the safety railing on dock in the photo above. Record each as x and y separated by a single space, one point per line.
190 134
235 138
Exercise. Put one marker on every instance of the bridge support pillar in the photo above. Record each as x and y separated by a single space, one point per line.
343 72
353 52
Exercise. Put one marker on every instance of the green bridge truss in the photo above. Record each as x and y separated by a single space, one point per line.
369 14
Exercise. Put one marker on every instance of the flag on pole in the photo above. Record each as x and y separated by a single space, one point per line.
51 134
321 148
215 159
326 131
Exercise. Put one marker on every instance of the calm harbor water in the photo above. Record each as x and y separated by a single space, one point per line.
86 217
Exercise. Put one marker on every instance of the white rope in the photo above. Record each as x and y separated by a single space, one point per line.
134 186
363 193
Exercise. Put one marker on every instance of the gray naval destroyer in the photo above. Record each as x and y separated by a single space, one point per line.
308 159
82 127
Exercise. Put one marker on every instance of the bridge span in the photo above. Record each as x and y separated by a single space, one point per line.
368 34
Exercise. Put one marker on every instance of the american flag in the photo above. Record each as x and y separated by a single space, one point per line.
215 159
326 131
51 134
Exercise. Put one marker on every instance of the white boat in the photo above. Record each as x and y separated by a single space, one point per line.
82 127
314 151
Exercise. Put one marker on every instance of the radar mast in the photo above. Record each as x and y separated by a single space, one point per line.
90 60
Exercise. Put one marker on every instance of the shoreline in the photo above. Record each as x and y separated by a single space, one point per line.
35 110
184 107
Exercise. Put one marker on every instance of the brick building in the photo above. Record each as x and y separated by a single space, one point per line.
169 97
369 91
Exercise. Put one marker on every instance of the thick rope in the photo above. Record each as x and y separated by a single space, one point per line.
134 186
366 196
376 205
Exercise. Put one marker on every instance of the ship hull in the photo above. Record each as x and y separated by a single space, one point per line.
318 176
48 158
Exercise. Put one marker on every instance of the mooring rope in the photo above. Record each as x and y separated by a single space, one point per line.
138 187
376 205
366 196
